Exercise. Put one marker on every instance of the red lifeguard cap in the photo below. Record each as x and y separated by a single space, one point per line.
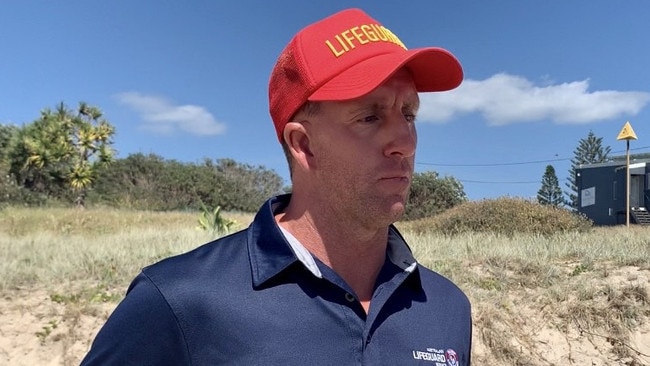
346 56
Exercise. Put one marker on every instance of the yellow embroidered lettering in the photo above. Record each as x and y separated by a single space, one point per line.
359 35
370 34
348 37
336 52
338 38
393 38
380 32
389 35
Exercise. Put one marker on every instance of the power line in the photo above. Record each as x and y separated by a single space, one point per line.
506 182
509 164
477 165
493 164
496 182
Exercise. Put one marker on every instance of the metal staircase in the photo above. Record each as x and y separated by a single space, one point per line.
640 215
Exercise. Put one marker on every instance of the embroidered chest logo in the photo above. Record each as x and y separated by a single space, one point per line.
439 356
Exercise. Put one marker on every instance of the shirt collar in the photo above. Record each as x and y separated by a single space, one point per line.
399 252
271 251
268 251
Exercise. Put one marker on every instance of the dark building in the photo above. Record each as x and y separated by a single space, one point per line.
601 192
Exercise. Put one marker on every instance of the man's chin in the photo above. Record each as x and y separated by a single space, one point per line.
397 211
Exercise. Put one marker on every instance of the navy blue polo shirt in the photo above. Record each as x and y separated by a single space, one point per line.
256 298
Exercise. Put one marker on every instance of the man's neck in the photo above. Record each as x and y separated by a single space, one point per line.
356 254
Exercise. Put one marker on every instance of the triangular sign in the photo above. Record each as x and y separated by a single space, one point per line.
627 133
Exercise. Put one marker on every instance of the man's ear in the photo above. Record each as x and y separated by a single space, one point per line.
296 136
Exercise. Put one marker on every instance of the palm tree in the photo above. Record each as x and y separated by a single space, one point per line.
68 145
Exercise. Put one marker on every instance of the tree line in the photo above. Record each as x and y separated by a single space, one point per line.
66 157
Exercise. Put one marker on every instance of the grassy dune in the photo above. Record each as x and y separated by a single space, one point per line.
55 246
537 300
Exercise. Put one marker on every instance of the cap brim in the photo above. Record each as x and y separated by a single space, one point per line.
433 69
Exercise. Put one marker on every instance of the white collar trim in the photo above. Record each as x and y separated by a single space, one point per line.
303 255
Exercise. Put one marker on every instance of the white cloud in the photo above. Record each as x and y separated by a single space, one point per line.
505 99
163 116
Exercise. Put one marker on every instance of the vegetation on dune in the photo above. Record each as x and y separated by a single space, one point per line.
573 281
503 216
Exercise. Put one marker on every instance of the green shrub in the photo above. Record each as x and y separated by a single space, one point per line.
151 182
431 194
213 221
503 216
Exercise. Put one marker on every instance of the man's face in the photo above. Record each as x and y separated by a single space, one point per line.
364 150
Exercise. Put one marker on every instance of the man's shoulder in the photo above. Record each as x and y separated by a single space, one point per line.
206 260
437 284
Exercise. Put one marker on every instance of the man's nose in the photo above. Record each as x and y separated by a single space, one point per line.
401 137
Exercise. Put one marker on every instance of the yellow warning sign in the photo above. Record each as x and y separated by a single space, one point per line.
627 133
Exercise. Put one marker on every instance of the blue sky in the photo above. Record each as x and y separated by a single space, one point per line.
187 80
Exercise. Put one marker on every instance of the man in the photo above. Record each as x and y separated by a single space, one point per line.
321 277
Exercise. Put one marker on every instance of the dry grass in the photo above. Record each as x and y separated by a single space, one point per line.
590 287
104 246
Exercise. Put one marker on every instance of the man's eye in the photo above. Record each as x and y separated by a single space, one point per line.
368 119
409 117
